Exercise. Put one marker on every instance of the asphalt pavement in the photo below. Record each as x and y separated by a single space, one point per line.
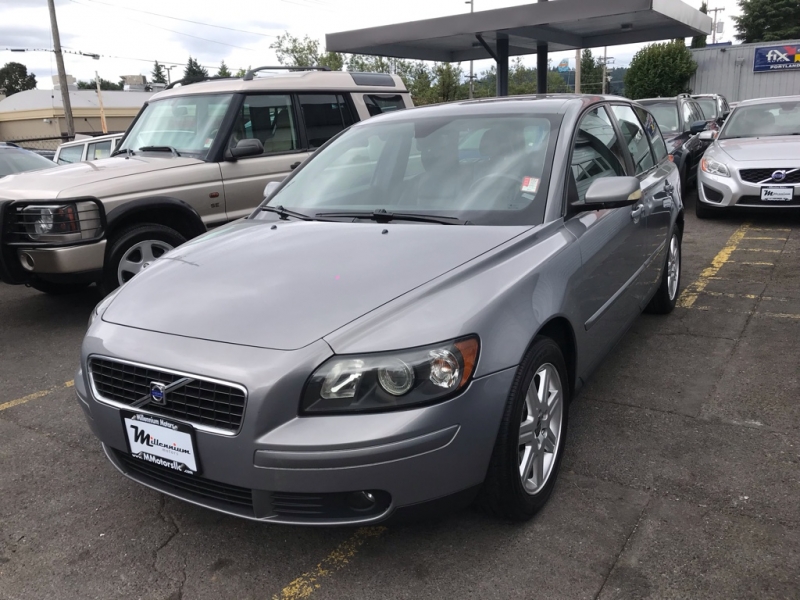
681 477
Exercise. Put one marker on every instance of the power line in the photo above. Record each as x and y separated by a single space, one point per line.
146 12
178 32
92 55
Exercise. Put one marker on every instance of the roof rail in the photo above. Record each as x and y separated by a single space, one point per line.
190 80
252 72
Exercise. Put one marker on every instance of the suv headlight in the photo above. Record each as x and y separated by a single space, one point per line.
713 167
67 222
391 380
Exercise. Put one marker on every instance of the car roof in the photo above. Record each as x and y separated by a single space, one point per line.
92 139
768 100
293 81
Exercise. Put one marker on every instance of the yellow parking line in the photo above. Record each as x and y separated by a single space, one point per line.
768 229
689 295
778 315
749 237
758 250
308 583
763 264
34 396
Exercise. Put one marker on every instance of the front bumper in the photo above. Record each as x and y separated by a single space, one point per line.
726 192
283 468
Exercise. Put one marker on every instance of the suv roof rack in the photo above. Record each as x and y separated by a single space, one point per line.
191 80
252 72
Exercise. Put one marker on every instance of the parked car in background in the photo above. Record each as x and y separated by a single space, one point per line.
754 160
400 322
14 159
715 109
680 120
88 148
196 157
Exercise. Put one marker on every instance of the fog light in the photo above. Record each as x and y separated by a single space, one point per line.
361 500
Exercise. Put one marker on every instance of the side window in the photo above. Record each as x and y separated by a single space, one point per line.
688 115
698 112
653 133
634 136
268 118
596 153
99 150
325 115
381 103
70 154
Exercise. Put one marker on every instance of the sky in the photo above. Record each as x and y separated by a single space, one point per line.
236 31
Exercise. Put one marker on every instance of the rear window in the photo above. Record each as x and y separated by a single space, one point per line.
709 107
666 115
382 103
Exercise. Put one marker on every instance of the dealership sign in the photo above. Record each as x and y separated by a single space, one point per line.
776 58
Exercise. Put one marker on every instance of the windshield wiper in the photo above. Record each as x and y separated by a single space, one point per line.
127 151
284 213
160 149
382 216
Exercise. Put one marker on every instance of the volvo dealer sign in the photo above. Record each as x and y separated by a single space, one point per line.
776 58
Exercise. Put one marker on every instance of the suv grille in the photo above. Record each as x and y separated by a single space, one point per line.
199 401
765 175
53 223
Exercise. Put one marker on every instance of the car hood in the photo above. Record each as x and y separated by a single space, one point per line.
285 285
57 183
766 148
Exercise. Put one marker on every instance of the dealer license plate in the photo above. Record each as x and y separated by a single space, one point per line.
777 194
161 442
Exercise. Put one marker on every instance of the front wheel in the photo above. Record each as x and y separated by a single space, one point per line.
667 294
135 247
529 446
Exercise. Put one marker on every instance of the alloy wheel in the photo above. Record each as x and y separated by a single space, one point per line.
138 256
673 267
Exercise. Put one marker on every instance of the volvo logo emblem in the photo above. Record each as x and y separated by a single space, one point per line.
779 176
158 394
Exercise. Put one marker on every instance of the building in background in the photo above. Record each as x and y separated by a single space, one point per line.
742 72
35 118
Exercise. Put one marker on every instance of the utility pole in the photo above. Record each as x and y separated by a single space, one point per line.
577 70
605 67
100 102
714 27
471 74
62 74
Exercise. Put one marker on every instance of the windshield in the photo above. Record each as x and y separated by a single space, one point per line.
709 107
188 124
666 115
763 120
484 169
19 161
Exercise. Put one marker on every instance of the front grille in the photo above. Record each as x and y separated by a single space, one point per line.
200 401
765 175
193 484
54 223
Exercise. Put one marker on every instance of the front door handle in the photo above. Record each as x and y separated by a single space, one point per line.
637 212
295 165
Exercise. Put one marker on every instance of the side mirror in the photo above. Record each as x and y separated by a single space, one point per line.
707 135
611 192
270 189
244 148
698 126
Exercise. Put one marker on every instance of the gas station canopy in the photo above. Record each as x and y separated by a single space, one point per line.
518 30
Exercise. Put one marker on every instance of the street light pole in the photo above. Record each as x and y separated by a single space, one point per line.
471 75
62 73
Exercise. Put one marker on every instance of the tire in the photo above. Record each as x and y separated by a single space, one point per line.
503 493
667 294
58 289
123 245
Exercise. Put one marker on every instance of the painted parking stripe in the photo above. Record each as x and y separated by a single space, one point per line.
34 396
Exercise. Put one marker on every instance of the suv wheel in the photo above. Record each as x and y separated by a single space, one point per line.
133 248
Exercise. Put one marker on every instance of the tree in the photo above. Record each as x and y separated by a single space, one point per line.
242 72
224 71
767 20
194 71
295 52
699 41
14 77
591 73
660 70
105 85
158 75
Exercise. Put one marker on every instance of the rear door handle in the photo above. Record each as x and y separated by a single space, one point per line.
295 165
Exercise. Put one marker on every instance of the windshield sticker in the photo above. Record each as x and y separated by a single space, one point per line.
530 184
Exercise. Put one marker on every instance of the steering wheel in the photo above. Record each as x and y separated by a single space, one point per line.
513 185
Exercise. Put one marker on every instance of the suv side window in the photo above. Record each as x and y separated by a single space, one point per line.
325 115
596 153
653 133
99 150
70 154
634 136
379 104
268 118
688 115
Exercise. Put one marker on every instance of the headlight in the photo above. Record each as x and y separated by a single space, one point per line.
713 167
102 306
68 222
391 380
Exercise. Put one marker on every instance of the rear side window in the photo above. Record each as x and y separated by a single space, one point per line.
99 150
70 154
325 115
382 103
633 133
653 133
